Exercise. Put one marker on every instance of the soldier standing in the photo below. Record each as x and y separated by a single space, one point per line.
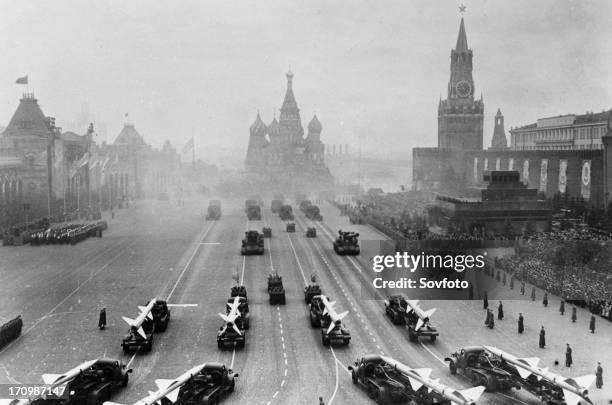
533 295
574 317
521 326
545 300
500 311
321 401
512 283
491 320
599 376
485 301
522 288
592 324
562 307
488 317
542 338
568 356
102 319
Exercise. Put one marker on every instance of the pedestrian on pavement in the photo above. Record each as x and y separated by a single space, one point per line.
542 338
533 295
562 307
592 324
491 320
321 401
500 311
485 301
512 283
102 319
599 376
488 317
521 326
574 316
522 288
545 300
568 356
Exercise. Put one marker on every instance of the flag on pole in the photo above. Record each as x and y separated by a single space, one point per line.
22 80
188 146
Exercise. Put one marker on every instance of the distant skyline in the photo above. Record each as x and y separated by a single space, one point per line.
372 71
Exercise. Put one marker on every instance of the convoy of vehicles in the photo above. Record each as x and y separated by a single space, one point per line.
252 243
311 232
347 243
290 227
276 291
285 212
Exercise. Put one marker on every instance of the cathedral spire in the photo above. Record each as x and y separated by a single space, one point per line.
289 104
462 45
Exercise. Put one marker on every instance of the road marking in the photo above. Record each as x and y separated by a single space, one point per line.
195 251
182 305
433 354
131 359
331 400
283 383
243 266
285 372
210 243
233 357
275 394
298 261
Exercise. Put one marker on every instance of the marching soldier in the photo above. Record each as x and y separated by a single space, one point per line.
485 301
521 326
500 311
542 338
574 316
592 324
533 294
545 300
568 356
599 376
102 319
522 288
562 307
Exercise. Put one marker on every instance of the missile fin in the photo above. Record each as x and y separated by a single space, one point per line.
342 315
414 383
583 382
332 325
129 321
224 317
141 308
173 395
571 398
472 394
429 313
532 361
142 333
236 329
51 378
105 403
162 383
423 372
413 303
419 324
523 372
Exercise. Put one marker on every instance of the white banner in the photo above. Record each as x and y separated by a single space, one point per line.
585 189
562 175
526 171
543 175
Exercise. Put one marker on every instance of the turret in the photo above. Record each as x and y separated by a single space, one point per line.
499 140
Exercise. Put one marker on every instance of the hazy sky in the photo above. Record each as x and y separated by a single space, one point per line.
371 69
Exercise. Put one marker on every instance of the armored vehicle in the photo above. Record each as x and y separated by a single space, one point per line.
313 213
290 227
93 385
311 232
214 210
275 205
304 205
276 291
285 212
133 340
481 369
213 383
267 232
244 320
310 291
227 335
252 244
337 335
395 308
161 315
253 213
347 243
416 330
385 384
238 291
316 312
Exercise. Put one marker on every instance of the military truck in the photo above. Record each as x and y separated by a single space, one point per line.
313 213
311 232
267 232
310 291
395 308
253 213
337 335
316 309
275 205
227 335
347 243
304 205
134 341
285 212
385 384
213 383
252 244
276 291
426 330
244 320
481 369
290 227
161 315
238 291
93 386
214 210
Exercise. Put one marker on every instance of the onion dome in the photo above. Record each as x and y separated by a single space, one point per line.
258 126
273 128
315 125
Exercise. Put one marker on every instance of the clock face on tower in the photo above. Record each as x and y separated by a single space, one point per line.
464 88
